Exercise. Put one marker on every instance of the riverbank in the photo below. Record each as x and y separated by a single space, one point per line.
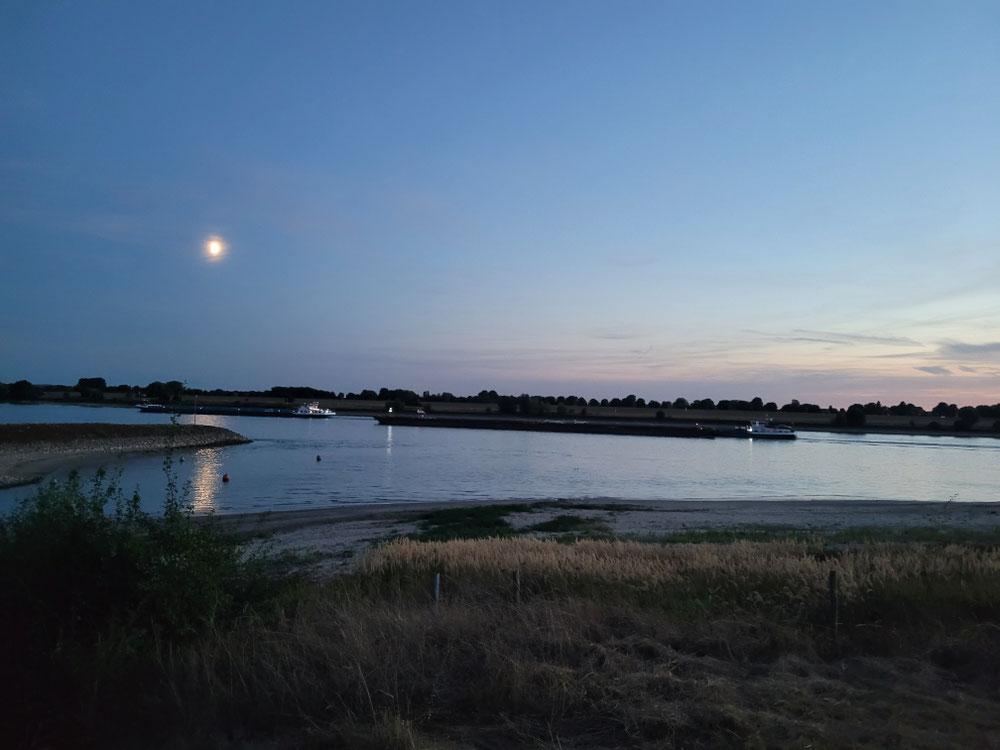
331 538
30 451
449 640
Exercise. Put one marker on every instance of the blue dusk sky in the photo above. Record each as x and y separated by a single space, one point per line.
700 199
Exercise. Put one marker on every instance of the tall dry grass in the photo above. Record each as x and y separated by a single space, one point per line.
613 645
796 569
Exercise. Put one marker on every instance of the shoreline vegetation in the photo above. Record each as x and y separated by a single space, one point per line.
30 451
548 625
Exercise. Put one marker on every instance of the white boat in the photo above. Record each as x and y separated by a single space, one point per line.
313 410
771 431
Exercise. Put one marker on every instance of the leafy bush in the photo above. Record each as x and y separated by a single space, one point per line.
71 570
93 588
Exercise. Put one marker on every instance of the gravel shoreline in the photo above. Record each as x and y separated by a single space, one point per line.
29 452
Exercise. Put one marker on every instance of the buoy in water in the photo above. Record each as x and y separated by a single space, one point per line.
225 477
318 458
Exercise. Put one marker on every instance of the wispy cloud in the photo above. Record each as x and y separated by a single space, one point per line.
854 338
935 370
803 335
960 350
614 335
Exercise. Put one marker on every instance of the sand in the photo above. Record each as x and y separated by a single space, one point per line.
333 538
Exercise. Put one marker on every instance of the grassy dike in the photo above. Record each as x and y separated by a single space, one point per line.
123 630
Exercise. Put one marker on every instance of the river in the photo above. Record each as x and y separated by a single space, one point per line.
364 462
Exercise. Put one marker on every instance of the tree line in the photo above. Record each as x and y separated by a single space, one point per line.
93 390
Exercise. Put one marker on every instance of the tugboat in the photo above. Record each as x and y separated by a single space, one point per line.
313 409
770 431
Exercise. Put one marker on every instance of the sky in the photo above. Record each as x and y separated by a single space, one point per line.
699 199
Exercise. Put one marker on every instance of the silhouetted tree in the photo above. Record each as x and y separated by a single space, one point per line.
169 391
91 389
85 384
22 390
967 417
856 416
945 410
507 405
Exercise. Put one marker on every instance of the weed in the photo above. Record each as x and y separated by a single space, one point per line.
476 522
567 523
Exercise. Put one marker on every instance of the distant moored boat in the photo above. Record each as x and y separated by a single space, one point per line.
770 431
313 409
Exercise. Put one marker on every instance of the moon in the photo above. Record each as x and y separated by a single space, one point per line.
215 248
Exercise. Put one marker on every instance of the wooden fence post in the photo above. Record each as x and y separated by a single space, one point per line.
516 580
834 605
437 589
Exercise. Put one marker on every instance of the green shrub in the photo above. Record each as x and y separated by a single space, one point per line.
93 588
76 561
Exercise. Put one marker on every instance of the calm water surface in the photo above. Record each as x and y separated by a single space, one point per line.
364 462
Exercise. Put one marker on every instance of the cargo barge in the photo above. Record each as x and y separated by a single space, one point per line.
583 426
308 411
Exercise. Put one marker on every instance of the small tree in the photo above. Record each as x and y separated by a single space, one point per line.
22 390
967 417
856 416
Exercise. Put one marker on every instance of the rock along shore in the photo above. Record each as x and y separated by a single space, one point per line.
30 451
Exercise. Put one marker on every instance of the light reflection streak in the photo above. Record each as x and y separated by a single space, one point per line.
205 479
388 441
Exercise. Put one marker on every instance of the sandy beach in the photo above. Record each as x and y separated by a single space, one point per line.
334 537
30 451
